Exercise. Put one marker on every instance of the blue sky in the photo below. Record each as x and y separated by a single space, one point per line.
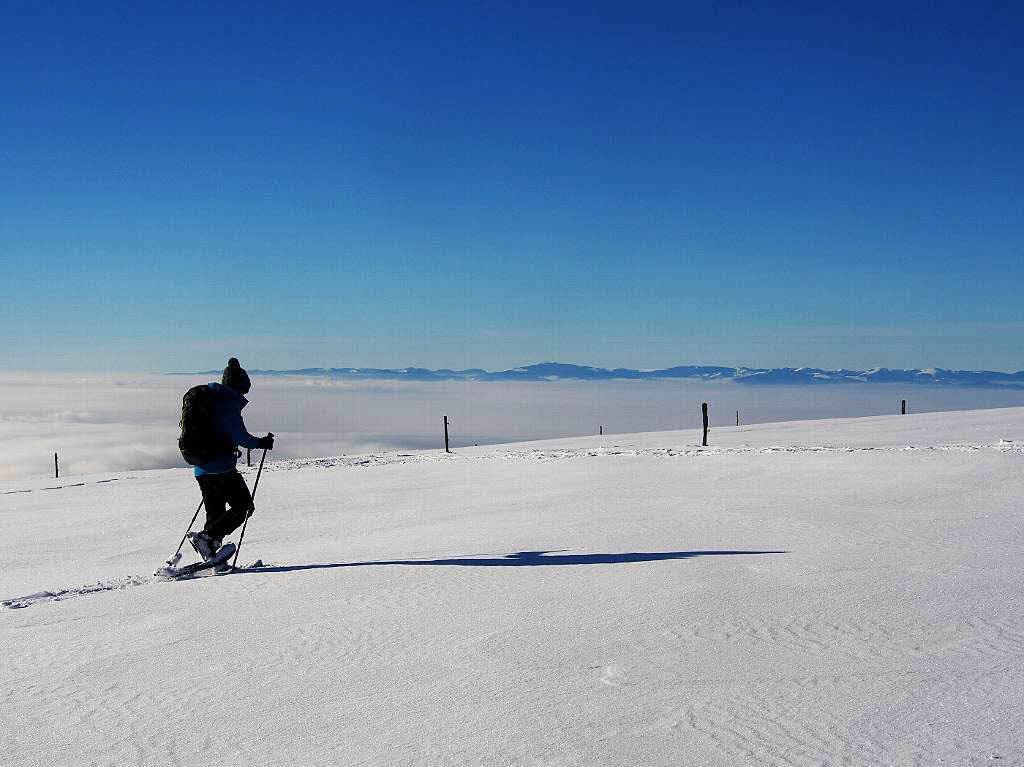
490 185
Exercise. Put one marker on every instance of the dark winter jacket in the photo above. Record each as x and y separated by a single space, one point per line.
228 421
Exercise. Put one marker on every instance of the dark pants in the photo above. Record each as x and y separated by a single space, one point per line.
220 489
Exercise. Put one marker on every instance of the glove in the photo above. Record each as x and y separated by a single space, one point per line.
267 442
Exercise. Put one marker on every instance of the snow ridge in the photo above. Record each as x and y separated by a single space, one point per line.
555 453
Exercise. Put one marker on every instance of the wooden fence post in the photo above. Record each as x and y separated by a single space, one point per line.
903 408
737 417
601 430
446 435
704 413
56 468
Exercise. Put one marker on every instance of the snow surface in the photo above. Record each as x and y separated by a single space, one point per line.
826 592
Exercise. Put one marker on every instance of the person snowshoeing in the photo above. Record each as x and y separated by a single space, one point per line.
225 494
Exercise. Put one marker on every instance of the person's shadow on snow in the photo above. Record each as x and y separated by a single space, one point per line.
524 559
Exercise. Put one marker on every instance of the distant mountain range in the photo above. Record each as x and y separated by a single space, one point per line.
556 371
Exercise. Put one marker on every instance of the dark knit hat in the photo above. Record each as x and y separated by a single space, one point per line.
235 377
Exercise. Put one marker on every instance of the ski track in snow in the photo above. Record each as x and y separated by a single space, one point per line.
62 487
36 597
62 594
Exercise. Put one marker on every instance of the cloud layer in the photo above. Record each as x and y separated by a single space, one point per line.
108 423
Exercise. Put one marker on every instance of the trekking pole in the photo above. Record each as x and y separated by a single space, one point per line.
255 485
177 554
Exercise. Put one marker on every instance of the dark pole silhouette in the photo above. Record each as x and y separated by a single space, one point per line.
704 413
255 487
446 435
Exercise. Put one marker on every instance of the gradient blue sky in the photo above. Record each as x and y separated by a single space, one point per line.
485 184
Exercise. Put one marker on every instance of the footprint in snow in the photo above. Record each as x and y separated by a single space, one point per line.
611 676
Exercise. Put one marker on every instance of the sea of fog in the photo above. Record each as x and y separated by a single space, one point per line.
111 422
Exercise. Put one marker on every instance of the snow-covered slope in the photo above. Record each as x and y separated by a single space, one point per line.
827 592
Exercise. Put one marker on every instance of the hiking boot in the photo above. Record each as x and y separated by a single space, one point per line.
205 546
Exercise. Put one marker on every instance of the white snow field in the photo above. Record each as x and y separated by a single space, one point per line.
842 592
